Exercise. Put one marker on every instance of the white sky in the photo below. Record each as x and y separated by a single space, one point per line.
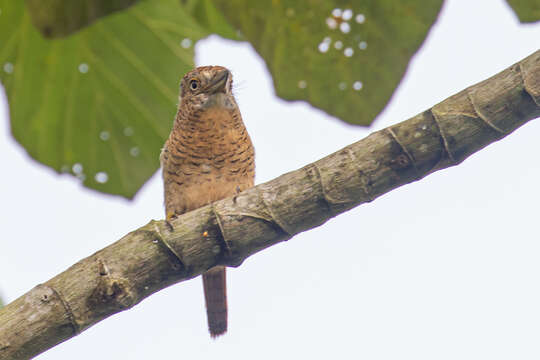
443 268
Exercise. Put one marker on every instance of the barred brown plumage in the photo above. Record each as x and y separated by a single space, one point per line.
207 157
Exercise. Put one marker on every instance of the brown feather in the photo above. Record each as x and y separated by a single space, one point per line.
207 157
215 296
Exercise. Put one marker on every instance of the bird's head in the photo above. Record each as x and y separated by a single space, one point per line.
207 86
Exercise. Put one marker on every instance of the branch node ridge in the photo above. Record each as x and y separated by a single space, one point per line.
443 138
67 308
405 151
165 243
483 117
275 219
225 243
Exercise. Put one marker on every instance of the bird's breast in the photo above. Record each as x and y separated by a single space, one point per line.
210 155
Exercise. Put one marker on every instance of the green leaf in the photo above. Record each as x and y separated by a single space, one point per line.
99 103
208 16
527 10
344 57
56 18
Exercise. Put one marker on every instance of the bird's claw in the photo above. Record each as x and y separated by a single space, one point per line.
170 217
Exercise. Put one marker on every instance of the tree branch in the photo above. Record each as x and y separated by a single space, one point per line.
228 231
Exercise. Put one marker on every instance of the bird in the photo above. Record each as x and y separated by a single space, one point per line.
207 157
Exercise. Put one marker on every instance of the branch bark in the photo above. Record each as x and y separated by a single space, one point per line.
228 231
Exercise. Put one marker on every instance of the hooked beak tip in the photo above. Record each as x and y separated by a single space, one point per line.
219 83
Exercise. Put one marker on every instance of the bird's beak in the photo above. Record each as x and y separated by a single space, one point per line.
219 82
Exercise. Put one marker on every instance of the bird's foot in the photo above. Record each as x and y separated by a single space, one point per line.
238 191
170 216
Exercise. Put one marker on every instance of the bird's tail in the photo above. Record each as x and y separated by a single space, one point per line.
215 294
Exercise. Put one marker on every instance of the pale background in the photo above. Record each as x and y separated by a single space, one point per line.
444 268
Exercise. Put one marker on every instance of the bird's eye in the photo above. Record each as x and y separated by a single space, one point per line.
193 84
